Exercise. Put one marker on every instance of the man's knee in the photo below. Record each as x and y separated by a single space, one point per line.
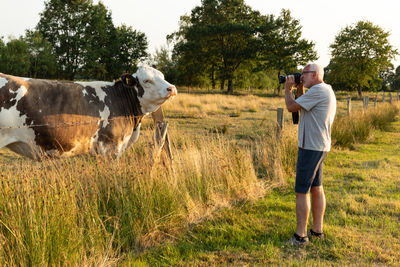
317 190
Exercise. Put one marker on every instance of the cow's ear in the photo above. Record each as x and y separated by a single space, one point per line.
128 80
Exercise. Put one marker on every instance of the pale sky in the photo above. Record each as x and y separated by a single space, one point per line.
321 20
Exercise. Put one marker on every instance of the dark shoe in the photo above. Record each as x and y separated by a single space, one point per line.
313 235
297 240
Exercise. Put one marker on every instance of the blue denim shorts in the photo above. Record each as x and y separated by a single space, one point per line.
309 169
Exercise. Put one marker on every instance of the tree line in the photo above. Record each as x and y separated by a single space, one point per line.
222 44
74 39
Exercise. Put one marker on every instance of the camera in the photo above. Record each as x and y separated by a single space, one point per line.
282 79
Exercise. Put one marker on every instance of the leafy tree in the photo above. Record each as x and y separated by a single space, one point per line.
359 53
86 42
132 45
14 57
192 66
395 83
101 46
282 47
63 23
385 79
218 37
43 62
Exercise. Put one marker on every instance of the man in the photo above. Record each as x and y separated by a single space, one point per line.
317 107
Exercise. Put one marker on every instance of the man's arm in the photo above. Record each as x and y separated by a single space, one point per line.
291 105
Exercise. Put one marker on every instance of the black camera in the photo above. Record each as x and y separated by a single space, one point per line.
297 75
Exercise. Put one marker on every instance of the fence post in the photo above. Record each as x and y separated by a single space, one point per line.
383 97
348 106
375 100
280 122
398 97
390 98
365 102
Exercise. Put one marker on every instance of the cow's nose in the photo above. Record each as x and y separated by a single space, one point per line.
172 90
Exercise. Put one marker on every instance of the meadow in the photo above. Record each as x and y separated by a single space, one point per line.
228 167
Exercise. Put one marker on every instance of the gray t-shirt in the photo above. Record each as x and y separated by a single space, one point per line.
317 114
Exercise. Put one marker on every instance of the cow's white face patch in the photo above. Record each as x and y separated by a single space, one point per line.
3 82
156 89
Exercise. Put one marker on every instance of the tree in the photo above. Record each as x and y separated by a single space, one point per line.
101 47
282 47
132 45
218 37
14 57
395 83
86 42
359 53
63 23
43 63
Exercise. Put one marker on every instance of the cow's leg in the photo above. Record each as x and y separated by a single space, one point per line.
5 140
134 136
25 149
11 138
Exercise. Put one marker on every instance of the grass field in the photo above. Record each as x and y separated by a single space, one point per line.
362 220
227 198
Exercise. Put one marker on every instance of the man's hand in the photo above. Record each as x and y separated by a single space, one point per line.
291 105
289 83
300 89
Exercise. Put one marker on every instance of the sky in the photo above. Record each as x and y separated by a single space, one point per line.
321 20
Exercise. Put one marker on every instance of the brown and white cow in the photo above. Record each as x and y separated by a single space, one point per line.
68 118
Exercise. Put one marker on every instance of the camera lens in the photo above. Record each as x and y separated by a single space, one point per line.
297 75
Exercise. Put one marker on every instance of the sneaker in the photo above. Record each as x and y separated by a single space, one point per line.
314 235
297 240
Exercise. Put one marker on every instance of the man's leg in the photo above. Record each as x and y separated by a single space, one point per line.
302 212
318 203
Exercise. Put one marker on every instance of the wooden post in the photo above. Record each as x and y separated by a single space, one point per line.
161 135
375 100
365 101
348 106
383 97
280 122
398 97
390 98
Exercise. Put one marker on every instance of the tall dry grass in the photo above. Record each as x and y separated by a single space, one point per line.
349 130
89 211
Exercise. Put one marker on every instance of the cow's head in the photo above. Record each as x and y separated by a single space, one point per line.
151 88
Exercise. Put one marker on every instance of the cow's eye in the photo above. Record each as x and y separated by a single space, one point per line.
147 81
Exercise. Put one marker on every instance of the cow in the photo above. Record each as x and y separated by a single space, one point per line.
64 118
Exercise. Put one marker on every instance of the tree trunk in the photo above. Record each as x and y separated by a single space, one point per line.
277 90
230 86
213 78
359 92
222 84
